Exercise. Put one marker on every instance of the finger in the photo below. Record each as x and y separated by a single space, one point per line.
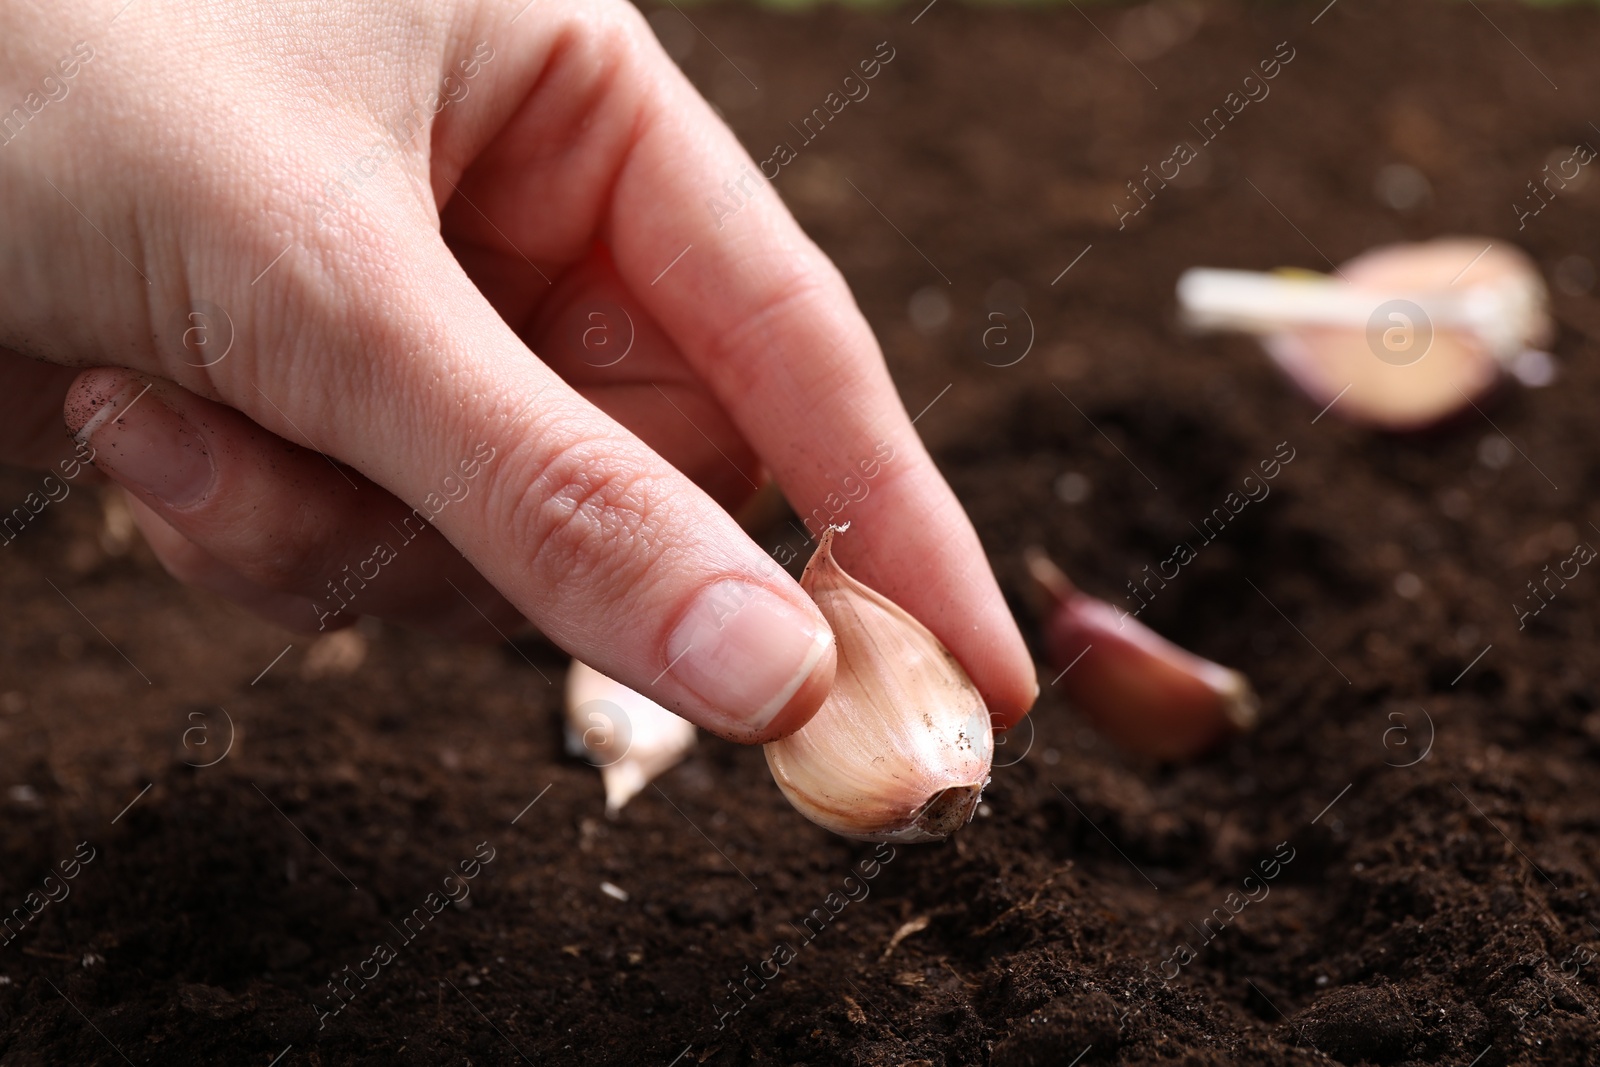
193 565
767 320
610 130
614 554
283 531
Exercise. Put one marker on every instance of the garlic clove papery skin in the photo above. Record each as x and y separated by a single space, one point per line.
901 748
629 737
1142 691
1145 693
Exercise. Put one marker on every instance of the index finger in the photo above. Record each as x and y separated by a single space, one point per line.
770 324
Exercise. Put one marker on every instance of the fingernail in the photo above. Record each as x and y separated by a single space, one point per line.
754 657
147 446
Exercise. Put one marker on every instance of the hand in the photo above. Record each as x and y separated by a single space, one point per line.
327 275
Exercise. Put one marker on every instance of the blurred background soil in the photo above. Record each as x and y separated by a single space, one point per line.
1436 910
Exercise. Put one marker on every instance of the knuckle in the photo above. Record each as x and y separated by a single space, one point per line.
618 25
806 296
586 524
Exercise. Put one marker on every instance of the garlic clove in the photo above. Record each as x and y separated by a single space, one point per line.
1402 338
631 738
1331 370
901 748
1139 689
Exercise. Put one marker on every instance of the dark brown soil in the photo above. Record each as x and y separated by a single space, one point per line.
1437 913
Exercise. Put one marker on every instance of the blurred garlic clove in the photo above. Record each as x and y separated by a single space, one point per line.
900 750
1141 690
119 532
631 738
334 655
1402 338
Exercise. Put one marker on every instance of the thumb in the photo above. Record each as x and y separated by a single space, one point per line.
614 554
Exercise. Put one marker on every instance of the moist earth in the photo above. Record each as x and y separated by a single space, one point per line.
1398 867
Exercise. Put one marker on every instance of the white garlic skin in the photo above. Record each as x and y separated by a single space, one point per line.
631 738
900 750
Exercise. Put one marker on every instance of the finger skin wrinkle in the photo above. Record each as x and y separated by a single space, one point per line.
586 527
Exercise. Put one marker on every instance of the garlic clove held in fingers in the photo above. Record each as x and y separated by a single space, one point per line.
631 738
901 748
1139 689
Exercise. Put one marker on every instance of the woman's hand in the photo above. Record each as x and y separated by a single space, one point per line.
417 310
